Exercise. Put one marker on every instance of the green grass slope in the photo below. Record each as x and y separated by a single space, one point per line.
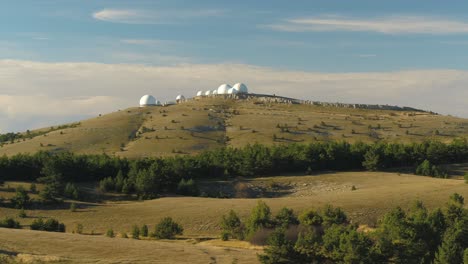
208 123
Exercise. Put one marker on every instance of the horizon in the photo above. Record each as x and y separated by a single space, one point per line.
63 62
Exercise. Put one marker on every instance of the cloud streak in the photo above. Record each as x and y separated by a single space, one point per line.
137 16
383 25
36 94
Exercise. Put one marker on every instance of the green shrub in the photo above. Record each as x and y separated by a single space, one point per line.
9 222
51 225
135 232
144 231
167 229
22 213
21 198
73 207
466 178
110 233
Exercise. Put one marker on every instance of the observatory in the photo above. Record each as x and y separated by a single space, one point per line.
241 88
214 92
224 88
148 100
207 93
199 93
180 98
232 91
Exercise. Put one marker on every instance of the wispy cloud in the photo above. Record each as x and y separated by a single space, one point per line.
147 42
384 25
36 89
136 16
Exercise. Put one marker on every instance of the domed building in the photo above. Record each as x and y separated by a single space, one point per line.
207 93
241 88
232 91
224 88
148 100
199 93
214 92
180 98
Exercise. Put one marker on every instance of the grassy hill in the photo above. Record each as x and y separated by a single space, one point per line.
208 123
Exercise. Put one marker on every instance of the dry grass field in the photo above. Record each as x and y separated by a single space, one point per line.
208 123
376 193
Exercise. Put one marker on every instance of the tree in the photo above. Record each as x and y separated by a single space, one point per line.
286 218
167 229
232 226
260 217
21 198
371 160
280 250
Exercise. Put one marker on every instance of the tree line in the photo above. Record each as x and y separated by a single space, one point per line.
149 177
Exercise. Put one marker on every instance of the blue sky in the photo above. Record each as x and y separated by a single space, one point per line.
377 42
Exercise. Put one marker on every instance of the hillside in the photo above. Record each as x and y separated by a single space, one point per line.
208 123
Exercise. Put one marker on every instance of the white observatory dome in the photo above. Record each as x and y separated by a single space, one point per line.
232 91
207 93
199 93
180 98
241 88
223 88
214 92
158 102
147 100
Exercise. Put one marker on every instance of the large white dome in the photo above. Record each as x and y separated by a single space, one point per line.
200 93
207 93
147 100
232 91
224 88
180 97
241 88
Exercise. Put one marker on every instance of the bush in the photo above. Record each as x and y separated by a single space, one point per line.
110 233
260 217
167 229
285 218
33 188
123 235
51 225
9 222
71 191
21 198
22 213
466 178
135 232
144 231
72 207
428 169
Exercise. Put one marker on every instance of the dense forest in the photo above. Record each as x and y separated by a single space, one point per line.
149 177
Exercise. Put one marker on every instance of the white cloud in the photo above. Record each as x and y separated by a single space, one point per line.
384 25
147 42
52 92
135 16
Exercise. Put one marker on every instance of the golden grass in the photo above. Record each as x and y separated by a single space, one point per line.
197 125
73 248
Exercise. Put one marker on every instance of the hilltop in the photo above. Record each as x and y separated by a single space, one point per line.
207 123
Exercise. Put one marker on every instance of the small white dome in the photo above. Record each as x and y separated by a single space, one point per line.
199 93
207 93
224 88
241 88
180 97
158 102
147 100
214 92
232 91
